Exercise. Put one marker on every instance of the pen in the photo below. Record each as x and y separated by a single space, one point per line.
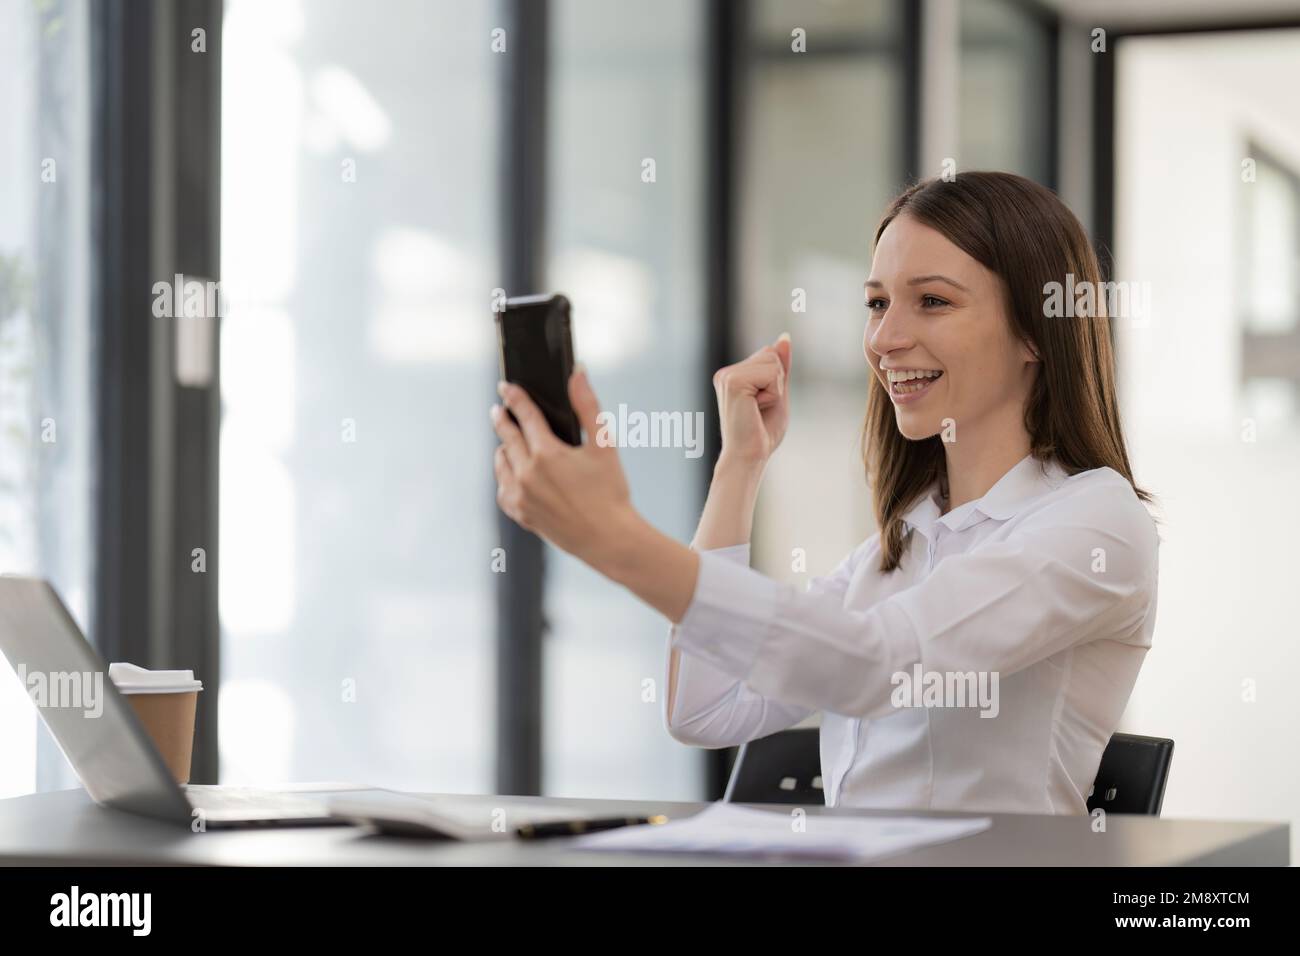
534 831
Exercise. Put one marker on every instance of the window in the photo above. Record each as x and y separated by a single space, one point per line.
1006 110
626 219
1270 346
358 255
46 341
823 150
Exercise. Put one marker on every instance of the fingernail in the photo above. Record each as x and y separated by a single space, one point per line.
580 369
783 335
494 411
501 389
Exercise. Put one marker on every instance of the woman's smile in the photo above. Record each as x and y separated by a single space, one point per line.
910 385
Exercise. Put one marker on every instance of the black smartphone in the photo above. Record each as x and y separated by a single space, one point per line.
537 354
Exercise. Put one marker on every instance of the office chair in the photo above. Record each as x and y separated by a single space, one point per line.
786 768
1132 775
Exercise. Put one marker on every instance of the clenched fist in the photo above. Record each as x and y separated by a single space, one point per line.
754 403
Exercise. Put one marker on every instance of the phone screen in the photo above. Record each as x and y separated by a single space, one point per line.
537 354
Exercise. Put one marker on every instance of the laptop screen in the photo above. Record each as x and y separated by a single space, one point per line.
93 724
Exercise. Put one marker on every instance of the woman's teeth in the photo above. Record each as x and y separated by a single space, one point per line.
911 380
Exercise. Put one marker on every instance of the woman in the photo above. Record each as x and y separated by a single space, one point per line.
978 651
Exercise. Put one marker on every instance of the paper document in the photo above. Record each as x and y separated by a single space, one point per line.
729 829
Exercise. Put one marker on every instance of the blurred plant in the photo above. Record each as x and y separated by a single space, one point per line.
15 286
15 367
52 13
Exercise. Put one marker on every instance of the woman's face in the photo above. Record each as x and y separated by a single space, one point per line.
939 339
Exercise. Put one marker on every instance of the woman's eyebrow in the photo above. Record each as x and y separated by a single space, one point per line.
919 280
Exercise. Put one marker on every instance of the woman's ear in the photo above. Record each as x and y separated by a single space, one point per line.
1029 352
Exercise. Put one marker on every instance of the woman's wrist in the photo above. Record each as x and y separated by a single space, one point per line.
622 539
649 563
739 470
739 475
729 512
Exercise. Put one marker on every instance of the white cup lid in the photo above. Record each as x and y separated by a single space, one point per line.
131 679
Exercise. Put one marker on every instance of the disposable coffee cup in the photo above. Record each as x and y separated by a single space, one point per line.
165 702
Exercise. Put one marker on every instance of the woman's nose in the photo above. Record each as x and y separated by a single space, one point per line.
890 332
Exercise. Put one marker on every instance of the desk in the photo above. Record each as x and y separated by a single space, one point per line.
66 828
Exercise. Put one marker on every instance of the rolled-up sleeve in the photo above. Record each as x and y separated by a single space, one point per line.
1071 573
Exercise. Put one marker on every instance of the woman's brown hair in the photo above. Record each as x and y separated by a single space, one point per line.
1024 234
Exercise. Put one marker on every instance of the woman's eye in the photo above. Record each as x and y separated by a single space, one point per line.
932 301
876 305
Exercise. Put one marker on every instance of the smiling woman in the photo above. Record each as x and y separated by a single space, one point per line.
1013 545
1000 241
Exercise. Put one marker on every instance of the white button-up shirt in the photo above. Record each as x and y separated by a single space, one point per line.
1042 593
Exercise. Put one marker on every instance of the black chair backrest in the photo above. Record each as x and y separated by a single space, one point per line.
786 768
1132 775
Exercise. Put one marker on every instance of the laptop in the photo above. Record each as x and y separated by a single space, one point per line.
109 749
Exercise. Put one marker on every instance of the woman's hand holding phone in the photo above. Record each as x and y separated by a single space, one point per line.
575 496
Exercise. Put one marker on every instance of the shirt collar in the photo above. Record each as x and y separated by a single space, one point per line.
1027 480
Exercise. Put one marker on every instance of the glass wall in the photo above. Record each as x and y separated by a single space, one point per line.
358 252
47 406
626 220
822 151
1005 114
